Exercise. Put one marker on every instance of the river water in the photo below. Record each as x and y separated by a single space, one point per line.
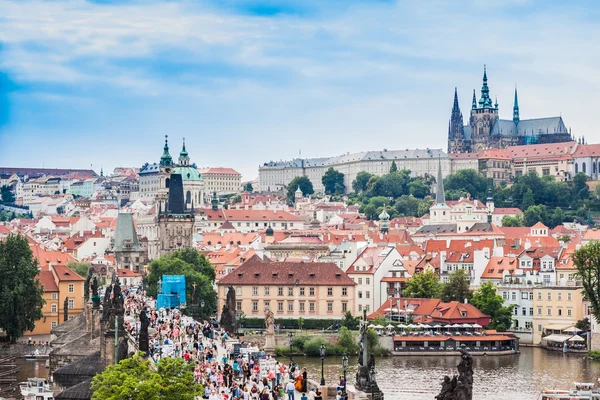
514 377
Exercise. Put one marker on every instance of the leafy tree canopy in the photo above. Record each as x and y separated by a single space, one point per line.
509 220
350 322
587 261
6 194
301 182
423 285
468 180
196 268
21 294
394 167
360 182
79 268
458 287
333 181
138 379
489 302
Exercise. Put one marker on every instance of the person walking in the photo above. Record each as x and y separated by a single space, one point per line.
290 388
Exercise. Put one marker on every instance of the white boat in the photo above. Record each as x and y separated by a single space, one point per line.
582 391
36 389
36 356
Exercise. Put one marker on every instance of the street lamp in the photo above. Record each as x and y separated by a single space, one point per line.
322 364
291 336
372 376
344 367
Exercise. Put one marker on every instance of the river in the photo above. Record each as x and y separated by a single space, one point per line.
515 377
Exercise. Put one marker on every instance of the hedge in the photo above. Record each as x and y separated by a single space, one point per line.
289 323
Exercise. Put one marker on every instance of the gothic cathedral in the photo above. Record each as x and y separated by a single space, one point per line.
487 131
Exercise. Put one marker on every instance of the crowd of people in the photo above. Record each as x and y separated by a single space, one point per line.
224 373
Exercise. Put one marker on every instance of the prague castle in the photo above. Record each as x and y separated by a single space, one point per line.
487 131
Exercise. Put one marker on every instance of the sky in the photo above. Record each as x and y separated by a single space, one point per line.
100 83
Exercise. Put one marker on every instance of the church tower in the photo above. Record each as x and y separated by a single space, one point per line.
164 176
176 220
484 115
456 133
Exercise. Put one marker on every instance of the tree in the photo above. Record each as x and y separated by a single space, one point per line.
467 180
583 324
528 200
489 302
6 194
196 269
535 214
587 262
423 285
457 288
558 216
407 206
346 341
360 182
350 322
394 167
301 182
137 378
580 188
418 189
508 220
248 187
79 268
21 294
333 181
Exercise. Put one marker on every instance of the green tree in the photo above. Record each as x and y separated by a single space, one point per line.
458 287
558 217
418 189
583 324
7 195
79 268
138 379
394 167
346 341
587 262
535 214
489 302
360 182
407 206
580 187
333 181
350 322
509 220
423 285
301 182
21 294
248 187
467 180
196 269
528 200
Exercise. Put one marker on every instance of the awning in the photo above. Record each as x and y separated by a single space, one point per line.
556 338
558 327
577 338
572 329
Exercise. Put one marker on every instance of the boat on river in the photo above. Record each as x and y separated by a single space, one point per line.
582 391
36 389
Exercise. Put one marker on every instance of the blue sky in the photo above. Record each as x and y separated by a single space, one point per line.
245 82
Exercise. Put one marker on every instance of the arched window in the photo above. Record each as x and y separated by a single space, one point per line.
188 197
594 167
576 168
167 181
583 167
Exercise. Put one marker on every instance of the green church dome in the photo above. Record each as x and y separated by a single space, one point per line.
188 173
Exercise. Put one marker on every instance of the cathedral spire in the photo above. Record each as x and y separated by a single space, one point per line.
455 106
474 105
440 197
184 158
166 159
516 108
485 101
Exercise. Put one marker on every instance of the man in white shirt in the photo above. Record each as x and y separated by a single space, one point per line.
290 389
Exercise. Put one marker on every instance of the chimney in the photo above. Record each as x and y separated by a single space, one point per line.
466 301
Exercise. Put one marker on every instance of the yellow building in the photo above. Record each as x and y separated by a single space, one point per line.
555 308
289 289
60 283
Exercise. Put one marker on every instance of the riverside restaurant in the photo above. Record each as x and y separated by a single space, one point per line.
448 343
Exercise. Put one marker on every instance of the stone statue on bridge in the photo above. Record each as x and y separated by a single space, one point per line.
459 387
228 314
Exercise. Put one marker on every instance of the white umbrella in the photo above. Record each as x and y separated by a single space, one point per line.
401 326
476 326
456 326
411 326
424 326
572 329
390 326
378 327
387 310
371 326
576 338
466 326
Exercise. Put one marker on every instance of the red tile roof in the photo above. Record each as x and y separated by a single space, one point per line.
64 273
47 257
542 151
47 281
127 273
258 272
219 170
